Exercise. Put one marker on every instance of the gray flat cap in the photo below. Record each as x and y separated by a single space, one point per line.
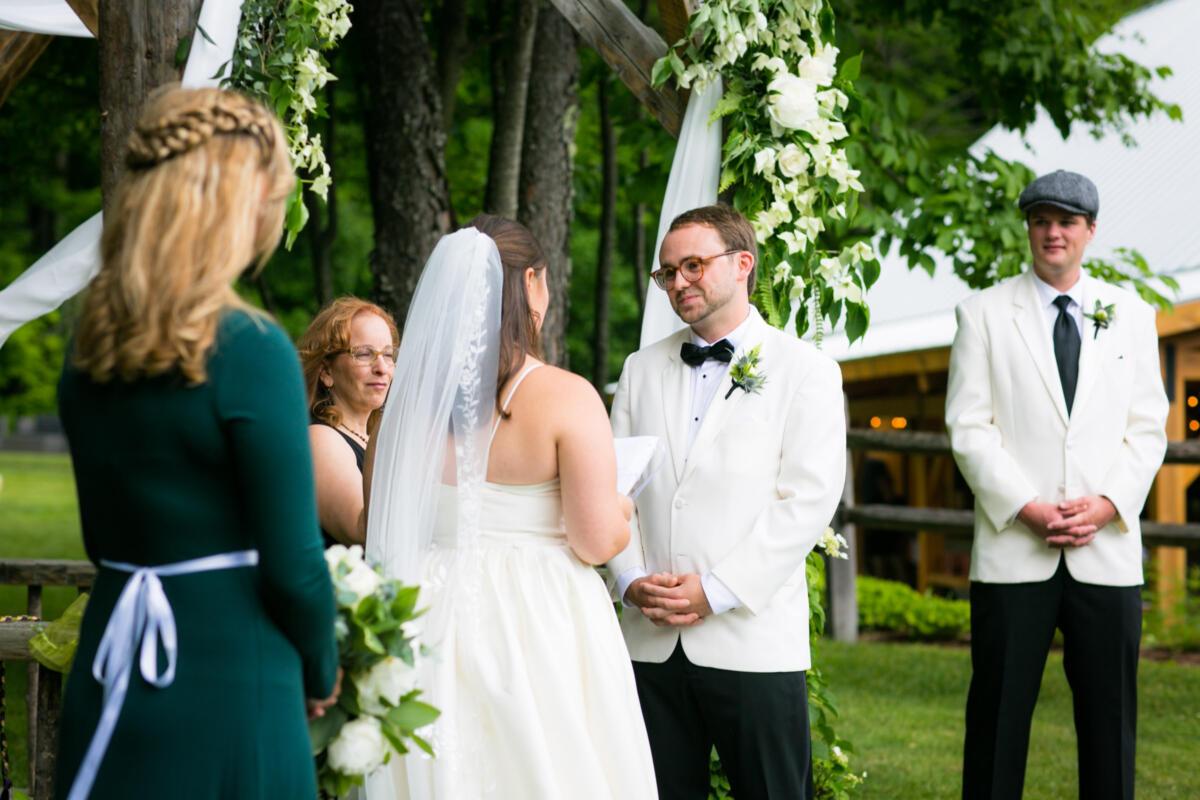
1066 190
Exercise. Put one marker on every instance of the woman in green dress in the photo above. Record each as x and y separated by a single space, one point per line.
211 619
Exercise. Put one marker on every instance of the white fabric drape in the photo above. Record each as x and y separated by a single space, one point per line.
72 263
695 176
52 17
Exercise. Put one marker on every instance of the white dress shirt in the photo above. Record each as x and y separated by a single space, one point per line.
707 380
1049 294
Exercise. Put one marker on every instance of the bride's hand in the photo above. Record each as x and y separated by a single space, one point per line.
626 506
316 708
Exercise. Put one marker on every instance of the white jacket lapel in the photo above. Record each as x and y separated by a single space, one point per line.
1030 321
676 395
1095 344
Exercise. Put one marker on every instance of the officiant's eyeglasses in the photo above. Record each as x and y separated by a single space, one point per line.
366 355
691 268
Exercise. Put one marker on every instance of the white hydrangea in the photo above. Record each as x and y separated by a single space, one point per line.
834 545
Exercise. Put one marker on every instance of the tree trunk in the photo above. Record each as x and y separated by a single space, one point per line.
321 236
405 149
138 42
608 236
504 163
547 188
452 50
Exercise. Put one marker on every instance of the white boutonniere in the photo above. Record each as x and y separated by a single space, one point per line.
1102 316
745 373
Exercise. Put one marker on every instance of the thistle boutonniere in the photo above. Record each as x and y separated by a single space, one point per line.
1102 316
745 373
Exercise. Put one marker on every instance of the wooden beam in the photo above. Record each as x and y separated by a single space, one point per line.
674 17
88 12
915 362
14 640
630 48
18 51
1183 318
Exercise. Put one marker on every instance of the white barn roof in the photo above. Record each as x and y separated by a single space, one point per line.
1149 194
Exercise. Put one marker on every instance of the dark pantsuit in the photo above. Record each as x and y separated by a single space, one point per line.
758 722
1012 626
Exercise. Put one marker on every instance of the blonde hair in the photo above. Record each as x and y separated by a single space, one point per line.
327 336
201 200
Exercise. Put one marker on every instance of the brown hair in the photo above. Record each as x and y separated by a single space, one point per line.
326 337
518 323
201 199
734 229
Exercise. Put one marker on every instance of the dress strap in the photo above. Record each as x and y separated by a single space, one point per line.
508 400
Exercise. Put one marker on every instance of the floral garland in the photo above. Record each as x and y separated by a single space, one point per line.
280 60
782 158
789 175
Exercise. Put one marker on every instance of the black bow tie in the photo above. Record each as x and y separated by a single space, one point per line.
694 356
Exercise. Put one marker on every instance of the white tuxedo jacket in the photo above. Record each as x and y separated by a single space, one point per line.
751 499
1014 441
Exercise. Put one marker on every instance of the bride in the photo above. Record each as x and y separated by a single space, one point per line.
494 486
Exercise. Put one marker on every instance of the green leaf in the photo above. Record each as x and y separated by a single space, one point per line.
851 68
322 730
204 33
297 216
661 71
412 714
870 271
857 319
181 52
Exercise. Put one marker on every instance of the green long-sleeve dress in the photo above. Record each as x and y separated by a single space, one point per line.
168 472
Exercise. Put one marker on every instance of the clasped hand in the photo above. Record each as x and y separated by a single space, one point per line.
1071 523
667 599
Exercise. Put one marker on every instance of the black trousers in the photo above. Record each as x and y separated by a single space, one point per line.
758 721
1012 626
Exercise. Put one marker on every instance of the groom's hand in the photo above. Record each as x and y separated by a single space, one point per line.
688 605
659 601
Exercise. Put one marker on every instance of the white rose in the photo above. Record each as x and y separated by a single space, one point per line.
764 160
362 581
819 67
390 679
793 161
359 748
793 103
334 555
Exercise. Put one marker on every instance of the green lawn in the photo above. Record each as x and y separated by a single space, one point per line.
901 704
902 707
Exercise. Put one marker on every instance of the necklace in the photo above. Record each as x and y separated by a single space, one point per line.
361 437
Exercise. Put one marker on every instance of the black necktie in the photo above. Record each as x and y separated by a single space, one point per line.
1066 349
694 355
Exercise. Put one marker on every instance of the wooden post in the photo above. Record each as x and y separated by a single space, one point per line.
44 753
841 574
33 608
139 51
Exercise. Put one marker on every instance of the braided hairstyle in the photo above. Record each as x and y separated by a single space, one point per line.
201 200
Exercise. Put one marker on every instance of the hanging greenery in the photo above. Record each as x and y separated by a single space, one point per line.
783 159
280 59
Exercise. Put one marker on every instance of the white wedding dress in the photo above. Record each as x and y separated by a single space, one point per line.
528 665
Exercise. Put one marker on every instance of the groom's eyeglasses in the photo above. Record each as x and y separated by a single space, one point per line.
691 268
366 355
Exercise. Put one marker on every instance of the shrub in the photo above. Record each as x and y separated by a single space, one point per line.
892 606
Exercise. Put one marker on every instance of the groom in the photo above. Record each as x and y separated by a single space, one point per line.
716 616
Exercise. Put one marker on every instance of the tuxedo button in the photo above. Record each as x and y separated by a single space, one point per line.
679 502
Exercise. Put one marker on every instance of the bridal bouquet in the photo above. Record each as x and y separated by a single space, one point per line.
378 711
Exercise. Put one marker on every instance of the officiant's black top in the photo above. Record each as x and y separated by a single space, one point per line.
167 472
360 454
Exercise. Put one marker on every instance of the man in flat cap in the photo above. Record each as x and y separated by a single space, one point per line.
1056 413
